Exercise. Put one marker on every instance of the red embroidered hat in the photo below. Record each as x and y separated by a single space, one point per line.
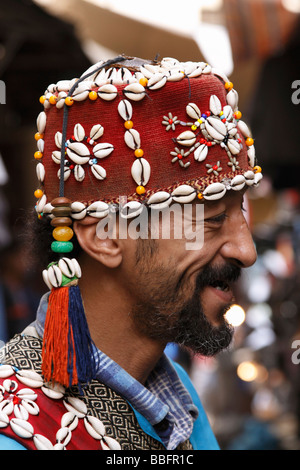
155 132
149 133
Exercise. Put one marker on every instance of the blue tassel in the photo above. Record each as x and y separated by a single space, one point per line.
82 341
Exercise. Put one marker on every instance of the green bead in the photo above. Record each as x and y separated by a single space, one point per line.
61 247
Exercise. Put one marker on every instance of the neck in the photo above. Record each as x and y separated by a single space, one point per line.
108 303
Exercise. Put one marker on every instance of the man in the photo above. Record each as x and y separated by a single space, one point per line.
129 140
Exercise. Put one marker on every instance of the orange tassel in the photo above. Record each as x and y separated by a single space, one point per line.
58 339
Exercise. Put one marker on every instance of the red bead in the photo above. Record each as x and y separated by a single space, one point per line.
71 167
202 141
179 156
215 167
170 121
209 144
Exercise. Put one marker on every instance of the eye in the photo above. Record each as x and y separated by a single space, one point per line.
218 219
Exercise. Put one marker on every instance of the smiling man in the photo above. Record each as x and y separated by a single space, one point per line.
126 155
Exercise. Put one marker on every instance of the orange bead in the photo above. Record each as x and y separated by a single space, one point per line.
140 190
257 169
38 193
38 136
238 115
53 99
249 142
69 101
143 81
128 124
38 155
62 234
200 196
228 85
138 153
93 95
42 99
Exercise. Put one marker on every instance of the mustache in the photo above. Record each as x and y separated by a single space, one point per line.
213 275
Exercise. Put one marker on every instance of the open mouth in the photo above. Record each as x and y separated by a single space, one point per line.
220 285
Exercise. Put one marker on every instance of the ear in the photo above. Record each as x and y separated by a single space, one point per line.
107 251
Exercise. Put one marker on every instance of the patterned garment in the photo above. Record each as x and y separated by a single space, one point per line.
24 352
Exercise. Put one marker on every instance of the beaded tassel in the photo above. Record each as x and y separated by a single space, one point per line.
67 345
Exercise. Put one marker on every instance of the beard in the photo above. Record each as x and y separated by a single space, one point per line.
163 313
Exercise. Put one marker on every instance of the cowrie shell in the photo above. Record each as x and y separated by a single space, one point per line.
54 390
227 112
67 173
201 152
79 173
186 138
233 146
41 203
183 194
98 209
69 420
6 371
134 91
41 442
78 210
251 155
238 182
76 406
232 99
41 122
56 156
257 178
193 111
21 412
4 419
132 139
54 275
141 171
158 80
94 427
22 428
175 76
102 150
67 268
214 191
107 92
215 105
159 200
46 279
249 177
96 132
195 73
216 128
10 385
125 110
26 394
40 172
30 378
63 436
79 132
58 139
76 267
99 172
111 443
131 209
245 131
63 85
7 407
78 152
220 74
40 145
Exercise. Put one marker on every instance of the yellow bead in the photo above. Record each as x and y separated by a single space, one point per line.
38 193
228 85
194 127
69 101
93 95
38 136
53 99
62 234
140 190
249 142
143 81
138 153
257 169
38 155
128 124
42 99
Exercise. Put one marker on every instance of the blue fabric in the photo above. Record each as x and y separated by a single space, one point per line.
6 443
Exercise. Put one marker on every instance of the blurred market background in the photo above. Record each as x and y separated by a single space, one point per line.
252 391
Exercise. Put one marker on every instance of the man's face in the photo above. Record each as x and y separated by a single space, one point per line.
182 295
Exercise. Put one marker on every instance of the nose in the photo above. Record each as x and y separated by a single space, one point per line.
239 247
